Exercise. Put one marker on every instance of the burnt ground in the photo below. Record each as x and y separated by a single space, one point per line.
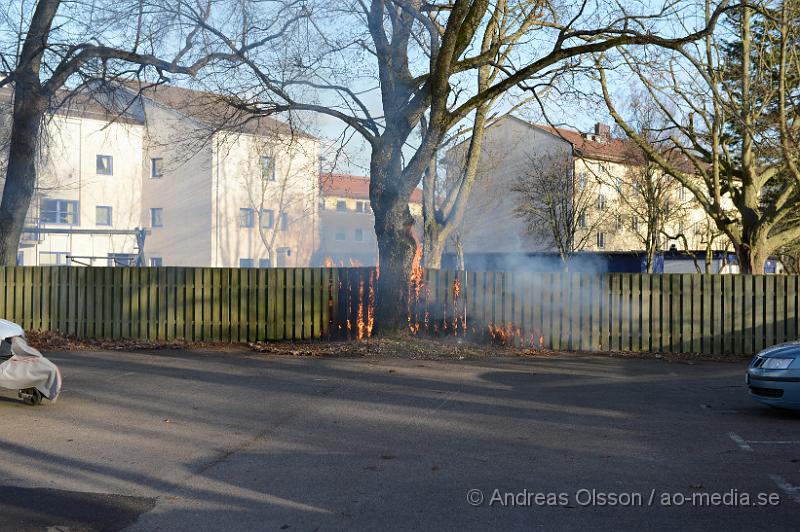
230 439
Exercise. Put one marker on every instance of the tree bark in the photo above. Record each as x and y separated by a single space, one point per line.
433 248
751 256
21 172
389 196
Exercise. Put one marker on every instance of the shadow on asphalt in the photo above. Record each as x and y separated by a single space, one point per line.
29 509
348 430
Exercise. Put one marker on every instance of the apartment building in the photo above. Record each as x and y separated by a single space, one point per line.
598 182
205 183
86 203
347 235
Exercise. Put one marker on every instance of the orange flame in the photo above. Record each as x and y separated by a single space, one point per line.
361 328
415 285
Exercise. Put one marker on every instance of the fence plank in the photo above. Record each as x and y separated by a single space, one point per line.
625 293
759 313
280 303
686 312
780 309
769 298
792 307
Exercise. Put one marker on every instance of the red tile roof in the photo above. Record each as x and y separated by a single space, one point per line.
592 146
353 186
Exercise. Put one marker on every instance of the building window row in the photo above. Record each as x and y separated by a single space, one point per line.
341 236
104 165
282 255
247 219
362 207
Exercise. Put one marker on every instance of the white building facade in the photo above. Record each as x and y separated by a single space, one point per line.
202 183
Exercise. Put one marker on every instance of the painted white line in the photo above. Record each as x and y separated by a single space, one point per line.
775 442
788 489
738 440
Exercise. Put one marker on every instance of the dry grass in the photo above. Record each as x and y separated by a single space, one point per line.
400 346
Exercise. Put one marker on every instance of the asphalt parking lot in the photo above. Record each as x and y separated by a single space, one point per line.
237 441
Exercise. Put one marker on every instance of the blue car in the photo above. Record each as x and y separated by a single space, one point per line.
774 376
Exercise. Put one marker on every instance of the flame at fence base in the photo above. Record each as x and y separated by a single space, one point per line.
425 315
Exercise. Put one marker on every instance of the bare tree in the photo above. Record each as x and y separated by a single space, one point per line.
426 54
558 207
64 46
730 104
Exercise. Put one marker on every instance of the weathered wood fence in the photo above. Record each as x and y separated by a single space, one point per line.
721 314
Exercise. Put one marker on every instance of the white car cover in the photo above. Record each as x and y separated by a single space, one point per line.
27 368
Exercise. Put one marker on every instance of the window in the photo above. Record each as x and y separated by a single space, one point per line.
601 202
102 215
267 218
362 207
156 262
283 256
635 223
682 193
157 217
105 165
267 168
582 220
53 258
619 183
284 222
121 259
156 167
601 240
247 263
56 211
246 217
681 227
583 179
264 263
340 236
359 235
619 223
341 205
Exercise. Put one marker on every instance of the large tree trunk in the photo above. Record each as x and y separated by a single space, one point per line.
389 196
21 172
751 256
433 247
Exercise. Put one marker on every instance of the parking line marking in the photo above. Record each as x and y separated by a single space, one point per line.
738 440
788 489
115 377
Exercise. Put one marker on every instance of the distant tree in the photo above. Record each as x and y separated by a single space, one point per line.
559 209
730 108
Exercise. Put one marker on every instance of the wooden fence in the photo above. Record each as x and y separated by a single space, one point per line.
720 314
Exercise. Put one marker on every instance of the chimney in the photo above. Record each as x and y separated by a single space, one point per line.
602 130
